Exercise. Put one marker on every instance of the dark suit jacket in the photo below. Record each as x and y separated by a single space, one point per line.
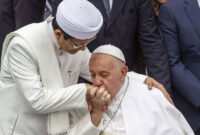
15 14
180 24
132 23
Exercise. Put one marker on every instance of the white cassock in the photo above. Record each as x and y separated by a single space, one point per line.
35 80
143 112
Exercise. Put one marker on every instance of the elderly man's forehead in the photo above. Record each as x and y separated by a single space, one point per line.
104 57
103 62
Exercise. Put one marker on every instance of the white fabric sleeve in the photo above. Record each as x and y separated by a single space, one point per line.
85 127
171 112
85 72
137 77
24 70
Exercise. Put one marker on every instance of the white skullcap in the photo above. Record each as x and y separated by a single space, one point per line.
110 50
79 18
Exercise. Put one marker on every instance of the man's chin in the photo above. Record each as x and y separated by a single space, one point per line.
73 51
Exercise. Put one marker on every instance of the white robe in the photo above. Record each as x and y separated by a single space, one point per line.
147 112
31 85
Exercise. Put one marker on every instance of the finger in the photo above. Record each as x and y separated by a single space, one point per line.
159 86
149 86
152 82
170 99
167 96
89 106
89 87
100 91
93 91
108 98
164 91
105 94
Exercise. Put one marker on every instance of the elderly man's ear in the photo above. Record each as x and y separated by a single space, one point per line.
124 71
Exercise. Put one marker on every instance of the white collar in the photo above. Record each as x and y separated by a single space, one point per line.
123 88
198 2
115 123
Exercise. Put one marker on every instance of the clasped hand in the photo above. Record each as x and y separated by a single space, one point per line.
98 99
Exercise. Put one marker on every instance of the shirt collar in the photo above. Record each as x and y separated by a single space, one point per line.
198 2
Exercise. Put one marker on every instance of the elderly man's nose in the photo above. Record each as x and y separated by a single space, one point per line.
97 82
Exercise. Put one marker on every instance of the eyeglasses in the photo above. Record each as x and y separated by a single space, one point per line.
75 46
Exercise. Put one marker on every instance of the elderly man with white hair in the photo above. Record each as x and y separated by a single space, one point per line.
41 63
133 109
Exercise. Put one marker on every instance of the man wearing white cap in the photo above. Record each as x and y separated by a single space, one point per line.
41 64
38 72
133 109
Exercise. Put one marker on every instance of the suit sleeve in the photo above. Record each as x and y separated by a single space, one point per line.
24 70
153 48
183 79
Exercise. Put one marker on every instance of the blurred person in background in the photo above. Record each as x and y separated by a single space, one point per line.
179 22
17 13
156 5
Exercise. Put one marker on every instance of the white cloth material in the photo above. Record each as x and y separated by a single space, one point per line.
38 88
137 77
198 2
117 122
110 50
149 113
143 112
112 133
79 18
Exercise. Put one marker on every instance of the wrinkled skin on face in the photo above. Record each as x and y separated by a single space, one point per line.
108 72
